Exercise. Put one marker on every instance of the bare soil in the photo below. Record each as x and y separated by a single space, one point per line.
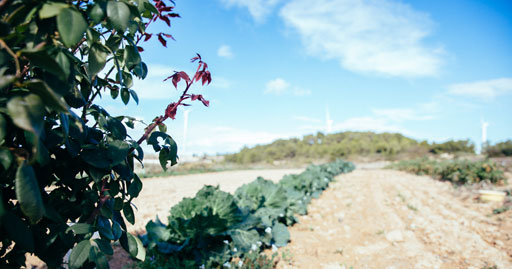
389 219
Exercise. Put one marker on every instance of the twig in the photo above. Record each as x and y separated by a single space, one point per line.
16 61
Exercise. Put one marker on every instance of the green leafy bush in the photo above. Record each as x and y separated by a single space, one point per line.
214 227
458 171
66 164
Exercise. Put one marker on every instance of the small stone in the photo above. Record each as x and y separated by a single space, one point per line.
395 236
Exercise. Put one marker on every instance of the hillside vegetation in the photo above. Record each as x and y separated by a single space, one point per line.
346 144
502 149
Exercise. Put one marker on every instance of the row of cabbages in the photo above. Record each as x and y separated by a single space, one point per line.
215 227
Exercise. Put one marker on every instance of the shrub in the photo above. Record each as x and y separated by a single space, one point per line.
502 149
457 171
66 164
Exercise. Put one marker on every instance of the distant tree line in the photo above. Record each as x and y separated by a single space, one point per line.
502 149
346 144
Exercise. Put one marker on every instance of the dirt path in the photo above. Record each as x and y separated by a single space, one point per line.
389 219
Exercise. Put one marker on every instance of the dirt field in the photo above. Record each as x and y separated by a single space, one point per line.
389 219
370 218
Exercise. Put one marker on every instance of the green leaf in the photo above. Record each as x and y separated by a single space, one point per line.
71 25
244 239
97 59
104 246
49 97
81 228
128 213
118 14
27 112
5 158
281 234
157 231
97 12
104 227
18 231
135 186
51 9
162 128
141 70
125 95
116 230
28 194
5 80
117 151
3 128
96 158
136 248
114 92
134 96
116 127
96 255
131 56
42 59
79 254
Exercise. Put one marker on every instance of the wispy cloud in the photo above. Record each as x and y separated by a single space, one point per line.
259 9
222 139
484 89
383 37
153 87
371 123
401 114
225 51
279 86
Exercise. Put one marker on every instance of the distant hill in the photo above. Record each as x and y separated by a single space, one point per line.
343 145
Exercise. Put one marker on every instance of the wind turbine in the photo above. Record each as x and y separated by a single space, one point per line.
328 120
484 133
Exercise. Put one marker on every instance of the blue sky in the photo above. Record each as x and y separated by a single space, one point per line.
432 70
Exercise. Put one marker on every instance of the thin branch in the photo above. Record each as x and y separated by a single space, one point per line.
16 60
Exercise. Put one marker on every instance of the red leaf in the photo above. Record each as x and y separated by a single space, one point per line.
162 40
175 80
198 57
169 36
147 37
205 102
204 78
209 77
170 112
174 15
166 20
184 76
140 49
166 9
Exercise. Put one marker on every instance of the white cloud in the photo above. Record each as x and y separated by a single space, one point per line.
277 86
259 9
222 139
153 86
220 83
383 37
370 123
484 89
300 92
280 86
225 51
401 114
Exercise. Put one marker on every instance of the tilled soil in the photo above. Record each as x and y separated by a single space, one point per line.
389 219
